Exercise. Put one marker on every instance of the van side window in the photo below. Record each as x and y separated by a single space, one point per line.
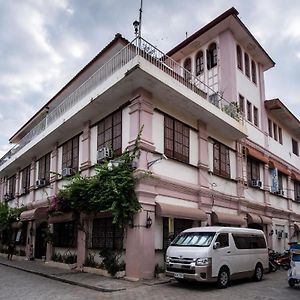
249 242
223 240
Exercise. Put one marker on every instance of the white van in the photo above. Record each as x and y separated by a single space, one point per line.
217 254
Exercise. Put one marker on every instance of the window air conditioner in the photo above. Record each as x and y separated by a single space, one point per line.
40 182
256 183
7 197
297 198
104 153
67 172
24 190
280 192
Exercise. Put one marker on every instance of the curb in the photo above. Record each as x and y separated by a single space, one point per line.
53 277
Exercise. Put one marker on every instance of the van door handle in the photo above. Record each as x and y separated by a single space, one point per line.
228 251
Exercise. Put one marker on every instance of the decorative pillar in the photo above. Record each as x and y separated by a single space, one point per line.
32 180
54 168
141 114
266 185
86 150
289 193
82 242
140 241
239 170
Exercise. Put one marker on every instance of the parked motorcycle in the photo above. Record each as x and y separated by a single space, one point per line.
273 266
283 261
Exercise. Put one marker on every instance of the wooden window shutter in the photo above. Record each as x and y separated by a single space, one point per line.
169 136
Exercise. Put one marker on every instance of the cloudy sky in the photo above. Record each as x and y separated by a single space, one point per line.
44 43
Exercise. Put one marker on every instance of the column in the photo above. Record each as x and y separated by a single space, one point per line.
86 149
32 180
17 193
54 169
141 114
266 185
49 250
82 242
289 193
140 242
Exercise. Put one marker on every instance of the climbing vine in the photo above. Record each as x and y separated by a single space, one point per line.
111 189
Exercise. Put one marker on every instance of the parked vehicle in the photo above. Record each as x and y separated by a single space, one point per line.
283 260
273 266
217 254
294 271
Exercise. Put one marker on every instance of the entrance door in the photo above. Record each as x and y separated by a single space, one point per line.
40 240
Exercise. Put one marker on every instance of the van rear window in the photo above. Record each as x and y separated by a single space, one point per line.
249 241
194 239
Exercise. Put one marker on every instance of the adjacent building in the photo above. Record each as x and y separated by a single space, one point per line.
232 155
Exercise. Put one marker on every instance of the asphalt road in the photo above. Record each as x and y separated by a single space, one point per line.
16 284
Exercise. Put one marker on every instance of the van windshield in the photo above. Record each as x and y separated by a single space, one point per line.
194 239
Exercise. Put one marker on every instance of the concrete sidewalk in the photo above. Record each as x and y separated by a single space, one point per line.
86 280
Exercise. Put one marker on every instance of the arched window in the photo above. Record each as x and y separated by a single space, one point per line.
187 69
247 65
253 71
212 56
199 63
239 57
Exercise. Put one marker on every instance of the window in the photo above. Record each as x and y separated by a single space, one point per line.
297 191
187 69
239 57
255 116
252 169
247 65
44 168
295 147
253 71
212 56
110 133
242 104
199 63
70 154
275 132
223 240
249 241
249 111
270 128
280 181
221 160
176 139
65 234
169 234
25 183
11 187
280 135
106 234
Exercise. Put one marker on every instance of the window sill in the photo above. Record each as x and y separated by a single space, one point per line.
223 176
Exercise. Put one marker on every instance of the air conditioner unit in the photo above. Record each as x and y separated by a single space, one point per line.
214 99
24 190
7 197
104 153
256 183
280 192
297 198
40 182
67 172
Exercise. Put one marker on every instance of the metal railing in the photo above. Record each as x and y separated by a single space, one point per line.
138 47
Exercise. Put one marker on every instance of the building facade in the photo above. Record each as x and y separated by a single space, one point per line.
232 156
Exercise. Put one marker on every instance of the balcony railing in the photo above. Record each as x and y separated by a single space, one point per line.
138 47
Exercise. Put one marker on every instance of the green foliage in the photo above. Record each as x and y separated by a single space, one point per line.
111 261
67 258
8 215
90 261
111 189
233 110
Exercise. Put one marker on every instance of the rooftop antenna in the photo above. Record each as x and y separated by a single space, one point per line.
138 24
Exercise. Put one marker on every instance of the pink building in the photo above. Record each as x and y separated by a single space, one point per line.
233 156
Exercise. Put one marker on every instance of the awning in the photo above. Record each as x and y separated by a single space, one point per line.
257 154
295 176
39 213
181 212
297 226
229 219
66 217
16 225
279 166
265 220
253 219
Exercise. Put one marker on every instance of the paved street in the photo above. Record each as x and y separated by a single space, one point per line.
16 284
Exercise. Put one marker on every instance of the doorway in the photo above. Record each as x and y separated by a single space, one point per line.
40 240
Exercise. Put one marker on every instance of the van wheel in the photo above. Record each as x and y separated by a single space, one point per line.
291 282
258 273
223 278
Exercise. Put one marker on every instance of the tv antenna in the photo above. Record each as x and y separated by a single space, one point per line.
138 24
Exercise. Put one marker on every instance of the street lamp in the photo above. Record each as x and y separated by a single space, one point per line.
136 25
